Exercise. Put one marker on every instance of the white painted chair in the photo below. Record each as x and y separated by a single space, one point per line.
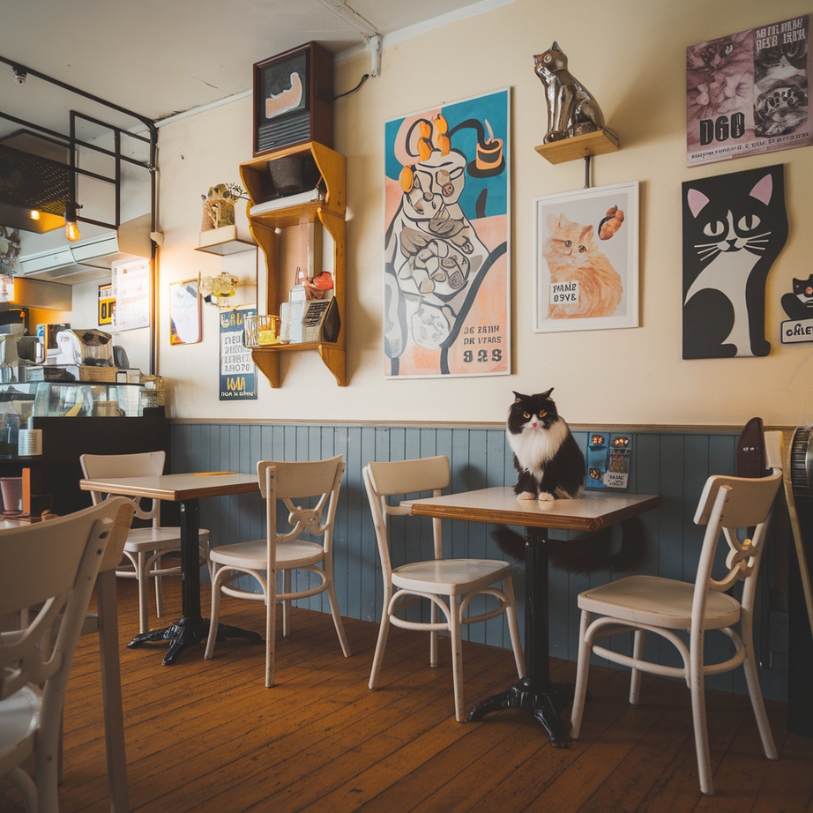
51 565
145 546
448 584
739 509
316 482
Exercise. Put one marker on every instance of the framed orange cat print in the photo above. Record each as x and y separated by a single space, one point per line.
586 259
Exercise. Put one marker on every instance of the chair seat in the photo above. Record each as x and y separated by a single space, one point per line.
20 715
149 539
253 554
659 602
451 577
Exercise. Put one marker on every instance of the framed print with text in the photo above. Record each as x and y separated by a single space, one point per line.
586 259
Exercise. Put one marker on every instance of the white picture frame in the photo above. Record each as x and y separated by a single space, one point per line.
591 284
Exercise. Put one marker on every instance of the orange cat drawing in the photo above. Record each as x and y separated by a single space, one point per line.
572 256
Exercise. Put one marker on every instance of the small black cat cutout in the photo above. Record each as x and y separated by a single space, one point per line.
547 458
734 227
572 109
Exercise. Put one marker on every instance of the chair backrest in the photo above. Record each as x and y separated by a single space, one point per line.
318 480
54 564
402 478
740 509
141 464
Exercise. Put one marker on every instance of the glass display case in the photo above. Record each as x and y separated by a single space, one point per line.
51 399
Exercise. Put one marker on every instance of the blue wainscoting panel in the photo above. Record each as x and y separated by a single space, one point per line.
671 463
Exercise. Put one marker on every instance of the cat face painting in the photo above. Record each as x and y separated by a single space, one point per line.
734 227
549 462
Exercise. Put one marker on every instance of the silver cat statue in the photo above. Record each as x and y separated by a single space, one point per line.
572 109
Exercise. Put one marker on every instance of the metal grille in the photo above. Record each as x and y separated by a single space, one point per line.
31 182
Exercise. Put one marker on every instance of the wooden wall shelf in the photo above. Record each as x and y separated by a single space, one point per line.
305 235
569 149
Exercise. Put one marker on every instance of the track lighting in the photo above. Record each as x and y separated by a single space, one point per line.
20 74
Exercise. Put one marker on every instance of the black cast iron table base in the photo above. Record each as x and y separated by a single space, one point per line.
544 705
189 632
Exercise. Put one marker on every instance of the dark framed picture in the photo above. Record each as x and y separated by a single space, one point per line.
293 99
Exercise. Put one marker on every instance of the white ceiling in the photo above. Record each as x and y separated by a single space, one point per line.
158 58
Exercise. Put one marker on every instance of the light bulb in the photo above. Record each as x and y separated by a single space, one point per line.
35 215
72 231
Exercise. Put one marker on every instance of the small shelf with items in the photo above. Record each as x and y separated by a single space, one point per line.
223 240
587 145
296 216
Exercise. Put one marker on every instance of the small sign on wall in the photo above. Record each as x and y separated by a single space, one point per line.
107 304
131 289
608 460
238 375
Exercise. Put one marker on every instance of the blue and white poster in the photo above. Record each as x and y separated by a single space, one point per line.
238 375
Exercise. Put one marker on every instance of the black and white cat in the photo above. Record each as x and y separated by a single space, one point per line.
734 228
546 456
799 304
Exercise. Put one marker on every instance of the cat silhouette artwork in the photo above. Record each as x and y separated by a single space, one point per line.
572 109
799 304
734 227
549 463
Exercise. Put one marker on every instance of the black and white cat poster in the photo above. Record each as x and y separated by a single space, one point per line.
734 227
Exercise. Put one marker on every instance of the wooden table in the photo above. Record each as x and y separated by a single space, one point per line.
536 693
187 490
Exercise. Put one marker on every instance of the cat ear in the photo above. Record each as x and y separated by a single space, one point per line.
518 396
555 47
763 189
697 200
547 394
553 223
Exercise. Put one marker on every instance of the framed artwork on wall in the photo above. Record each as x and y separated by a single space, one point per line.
586 259
184 312
446 267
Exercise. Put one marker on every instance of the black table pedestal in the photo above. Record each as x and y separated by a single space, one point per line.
534 694
191 629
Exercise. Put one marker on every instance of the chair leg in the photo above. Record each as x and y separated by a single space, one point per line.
214 613
583 667
433 636
159 590
337 619
456 635
270 627
758 704
635 676
381 644
697 687
143 578
286 605
513 626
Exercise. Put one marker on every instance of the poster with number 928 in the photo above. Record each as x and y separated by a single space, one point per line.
446 268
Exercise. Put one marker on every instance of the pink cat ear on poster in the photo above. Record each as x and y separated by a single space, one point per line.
696 200
763 190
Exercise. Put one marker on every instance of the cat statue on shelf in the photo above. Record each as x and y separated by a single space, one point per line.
548 460
572 109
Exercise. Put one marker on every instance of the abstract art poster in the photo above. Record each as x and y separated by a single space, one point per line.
446 274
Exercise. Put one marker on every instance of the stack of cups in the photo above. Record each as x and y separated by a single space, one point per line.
29 441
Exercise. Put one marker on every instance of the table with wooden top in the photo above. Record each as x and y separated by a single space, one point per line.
535 693
187 490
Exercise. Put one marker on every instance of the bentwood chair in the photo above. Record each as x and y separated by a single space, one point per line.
310 492
53 566
739 509
145 547
450 585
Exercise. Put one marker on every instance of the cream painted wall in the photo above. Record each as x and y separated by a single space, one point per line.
631 54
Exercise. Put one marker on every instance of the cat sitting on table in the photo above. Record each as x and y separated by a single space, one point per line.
546 456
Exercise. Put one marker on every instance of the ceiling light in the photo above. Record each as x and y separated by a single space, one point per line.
71 226
20 74
35 215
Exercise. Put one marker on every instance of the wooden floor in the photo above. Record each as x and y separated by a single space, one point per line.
207 736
